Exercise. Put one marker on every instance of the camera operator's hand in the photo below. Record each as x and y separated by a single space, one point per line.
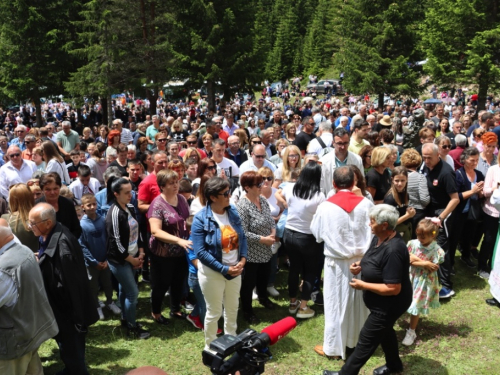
234 271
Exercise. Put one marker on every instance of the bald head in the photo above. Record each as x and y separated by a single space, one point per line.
43 213
259 155
431 148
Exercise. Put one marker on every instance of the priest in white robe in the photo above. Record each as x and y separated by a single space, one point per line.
342 223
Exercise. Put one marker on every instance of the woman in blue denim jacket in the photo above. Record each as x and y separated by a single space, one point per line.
221 248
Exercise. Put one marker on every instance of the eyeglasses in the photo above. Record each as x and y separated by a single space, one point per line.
27 142
293 156
191 142
234 144
16 155
218 123
267 178
30 225
368 156
260 156
446 146
226 194
19 131
342 144
257 142
162 139
212 168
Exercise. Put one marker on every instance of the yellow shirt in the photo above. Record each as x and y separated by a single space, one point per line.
356 147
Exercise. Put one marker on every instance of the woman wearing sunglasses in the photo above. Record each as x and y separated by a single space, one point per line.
444 144
221 248
260 230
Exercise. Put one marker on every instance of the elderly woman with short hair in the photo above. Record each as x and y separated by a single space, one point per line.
387 292
260 229
168 244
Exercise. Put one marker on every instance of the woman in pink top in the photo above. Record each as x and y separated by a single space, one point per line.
490 223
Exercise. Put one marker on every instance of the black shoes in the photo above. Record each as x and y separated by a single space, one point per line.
251 318
139 333
384 370
161 320
493 302
468 262
268 304
474 253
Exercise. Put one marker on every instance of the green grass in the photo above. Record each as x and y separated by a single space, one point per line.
461 337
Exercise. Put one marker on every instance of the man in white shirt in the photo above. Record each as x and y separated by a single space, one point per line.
257 161
224 165
341 157
126 136
317 116
230 127
16 171
315 146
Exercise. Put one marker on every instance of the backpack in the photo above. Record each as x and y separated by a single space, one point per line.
326 150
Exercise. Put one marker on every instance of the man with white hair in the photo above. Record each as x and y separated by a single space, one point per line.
461 144
342 223
234 152
67 284
24 305
16 171
126 136
323 144
444 199
372 121
20 132
344 112
361 115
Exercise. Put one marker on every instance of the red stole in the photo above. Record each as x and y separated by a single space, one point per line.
346 200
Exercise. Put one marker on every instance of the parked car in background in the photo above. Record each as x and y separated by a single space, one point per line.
320 85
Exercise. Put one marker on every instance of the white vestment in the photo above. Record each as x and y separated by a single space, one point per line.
347 236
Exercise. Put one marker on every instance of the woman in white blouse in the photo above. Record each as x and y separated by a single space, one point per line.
55 162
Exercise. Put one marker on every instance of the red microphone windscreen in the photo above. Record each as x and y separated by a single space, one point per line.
280 329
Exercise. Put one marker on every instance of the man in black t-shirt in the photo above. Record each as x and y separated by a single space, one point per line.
134 170
444 198
306 135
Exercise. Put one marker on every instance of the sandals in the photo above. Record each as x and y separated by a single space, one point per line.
161 320
178 315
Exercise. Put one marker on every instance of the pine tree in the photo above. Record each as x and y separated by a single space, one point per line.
377 42
33 35
461 41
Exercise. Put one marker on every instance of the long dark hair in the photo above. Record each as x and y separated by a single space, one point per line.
307 184
399 171
114 185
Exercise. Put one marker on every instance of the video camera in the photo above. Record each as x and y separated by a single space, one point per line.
250 349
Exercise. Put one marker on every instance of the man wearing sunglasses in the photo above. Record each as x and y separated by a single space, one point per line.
257 161
17 170
30 142
192 142
20 133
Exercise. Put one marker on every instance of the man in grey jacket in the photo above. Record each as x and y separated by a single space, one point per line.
24 308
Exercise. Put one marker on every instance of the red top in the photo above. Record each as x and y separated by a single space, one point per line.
346 200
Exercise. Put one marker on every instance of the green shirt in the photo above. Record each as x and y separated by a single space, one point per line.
68 142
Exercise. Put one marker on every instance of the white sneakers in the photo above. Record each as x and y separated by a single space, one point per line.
101 315
272 291
255 296
113 308
410 337
294 306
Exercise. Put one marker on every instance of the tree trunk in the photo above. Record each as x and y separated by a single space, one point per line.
110 109
482 93
38 109
104 111
381 104
211 95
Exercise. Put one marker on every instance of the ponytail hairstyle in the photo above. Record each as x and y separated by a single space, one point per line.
114 185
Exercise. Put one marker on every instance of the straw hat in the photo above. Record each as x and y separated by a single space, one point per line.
386 121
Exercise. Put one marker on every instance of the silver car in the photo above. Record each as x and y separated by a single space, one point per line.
320 85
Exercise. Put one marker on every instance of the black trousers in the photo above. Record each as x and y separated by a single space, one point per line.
490 225
378 330
463 232
167 273
72 349
444 271
256 275
304 254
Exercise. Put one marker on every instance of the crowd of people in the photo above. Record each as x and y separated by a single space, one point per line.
215 203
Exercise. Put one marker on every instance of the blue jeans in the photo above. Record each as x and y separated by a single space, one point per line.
200 309
128 290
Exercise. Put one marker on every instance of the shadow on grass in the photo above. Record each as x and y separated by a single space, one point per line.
94 356
414 364
428 330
